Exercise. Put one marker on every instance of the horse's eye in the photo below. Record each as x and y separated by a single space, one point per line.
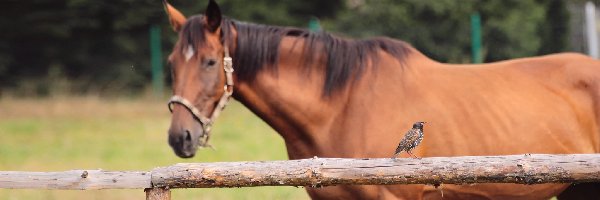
211 62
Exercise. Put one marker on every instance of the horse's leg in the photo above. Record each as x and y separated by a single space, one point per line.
349 192
581 191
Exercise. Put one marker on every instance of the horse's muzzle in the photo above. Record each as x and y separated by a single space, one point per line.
183 142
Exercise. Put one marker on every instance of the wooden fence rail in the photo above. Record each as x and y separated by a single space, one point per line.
319 172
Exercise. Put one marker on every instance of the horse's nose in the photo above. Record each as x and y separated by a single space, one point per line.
182 144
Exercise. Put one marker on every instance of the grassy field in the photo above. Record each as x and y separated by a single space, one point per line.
64 133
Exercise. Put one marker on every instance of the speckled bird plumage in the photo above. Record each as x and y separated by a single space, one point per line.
411 140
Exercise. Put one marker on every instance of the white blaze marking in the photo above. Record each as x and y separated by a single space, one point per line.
189 53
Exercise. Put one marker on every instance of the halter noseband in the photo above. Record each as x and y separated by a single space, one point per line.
207 122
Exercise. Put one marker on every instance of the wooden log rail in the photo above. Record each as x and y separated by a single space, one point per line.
319 172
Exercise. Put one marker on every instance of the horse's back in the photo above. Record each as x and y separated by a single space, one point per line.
561 67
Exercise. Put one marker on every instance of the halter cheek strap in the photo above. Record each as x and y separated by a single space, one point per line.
207 122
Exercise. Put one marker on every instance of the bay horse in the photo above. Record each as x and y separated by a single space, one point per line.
329 96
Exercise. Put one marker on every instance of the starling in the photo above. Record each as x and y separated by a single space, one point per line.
411 140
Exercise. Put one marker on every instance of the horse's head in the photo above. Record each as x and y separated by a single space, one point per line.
201 78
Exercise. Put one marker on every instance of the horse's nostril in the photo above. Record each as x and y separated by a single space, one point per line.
182 143
188 136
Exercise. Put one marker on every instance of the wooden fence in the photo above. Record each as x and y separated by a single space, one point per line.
320 172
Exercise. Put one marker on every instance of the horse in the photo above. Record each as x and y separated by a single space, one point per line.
329 96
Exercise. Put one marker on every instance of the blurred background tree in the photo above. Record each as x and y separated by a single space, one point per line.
102 46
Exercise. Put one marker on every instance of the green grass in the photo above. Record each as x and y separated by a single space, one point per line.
62 133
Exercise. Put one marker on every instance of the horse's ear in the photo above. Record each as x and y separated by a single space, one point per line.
213 16
175 17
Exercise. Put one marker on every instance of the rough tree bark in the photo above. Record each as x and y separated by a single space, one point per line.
523 169
75 180
158 193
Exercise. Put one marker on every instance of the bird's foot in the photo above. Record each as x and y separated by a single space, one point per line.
413 155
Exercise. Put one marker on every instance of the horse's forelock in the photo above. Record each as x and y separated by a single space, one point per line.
192 34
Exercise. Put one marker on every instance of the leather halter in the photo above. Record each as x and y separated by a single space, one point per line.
207 122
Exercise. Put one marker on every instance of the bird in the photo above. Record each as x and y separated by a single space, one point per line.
411 140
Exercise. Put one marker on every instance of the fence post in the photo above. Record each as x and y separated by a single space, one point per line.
158 193
476 38
156 61
590 26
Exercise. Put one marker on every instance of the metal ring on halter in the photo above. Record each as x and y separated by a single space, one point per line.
228 90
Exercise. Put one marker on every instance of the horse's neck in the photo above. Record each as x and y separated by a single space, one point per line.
290 100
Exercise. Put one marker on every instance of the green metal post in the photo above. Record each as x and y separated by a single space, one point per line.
314 24
476 38
156 60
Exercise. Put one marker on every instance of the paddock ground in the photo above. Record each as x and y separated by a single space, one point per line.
63 133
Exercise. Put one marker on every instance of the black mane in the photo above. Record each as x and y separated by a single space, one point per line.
257 47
